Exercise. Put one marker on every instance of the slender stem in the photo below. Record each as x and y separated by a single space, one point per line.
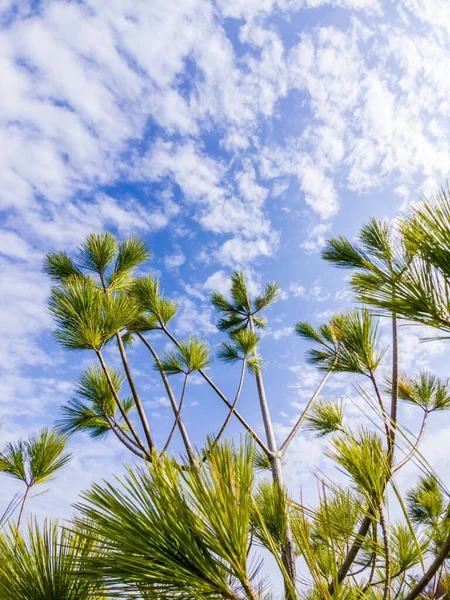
415 446
288 547
120 406
134 392
231 411
123 438
371 561
133 389
394 392
382 407
400 587
374 554
387 551
432 570
248 588
9 510
365 524
22 508
172 400
354 549
302 417
437 579
224 399
265 413
177 416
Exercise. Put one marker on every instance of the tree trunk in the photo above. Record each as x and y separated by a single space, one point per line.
288 550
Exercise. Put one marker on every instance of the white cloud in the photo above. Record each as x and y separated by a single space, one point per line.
316 237
297 290
238 252
174 261
218 282
193 319
11 244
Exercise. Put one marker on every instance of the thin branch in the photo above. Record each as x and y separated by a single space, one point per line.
177 416
120 406
354 549
432 570
123 438
382 408
172 400
371 561
9 510
374 554
415 446
135 393
302 417
224 399
233 406
287 549
394 391
387 551
265 412
400 586
22 508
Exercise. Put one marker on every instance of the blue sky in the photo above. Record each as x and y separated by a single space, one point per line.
228 134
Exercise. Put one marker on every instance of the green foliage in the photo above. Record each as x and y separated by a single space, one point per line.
271 508
86 317
427 230
349 343
243 344
416 285
146 292
170 533
114 262
238 313
98 251
59 266
191 355
425 390
131 253
324 418
365 459
262 461
270 295
426 502
93 408
13 460
45 564
239 292
46 453
343 253
379 259
37 459
337 515
405 552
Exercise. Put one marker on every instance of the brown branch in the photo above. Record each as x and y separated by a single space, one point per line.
226 401
135 393
415 446
351 555
22 508
387 550
382 408
432 570
177 416
172 400
120 406
123 438
394 390
233 406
